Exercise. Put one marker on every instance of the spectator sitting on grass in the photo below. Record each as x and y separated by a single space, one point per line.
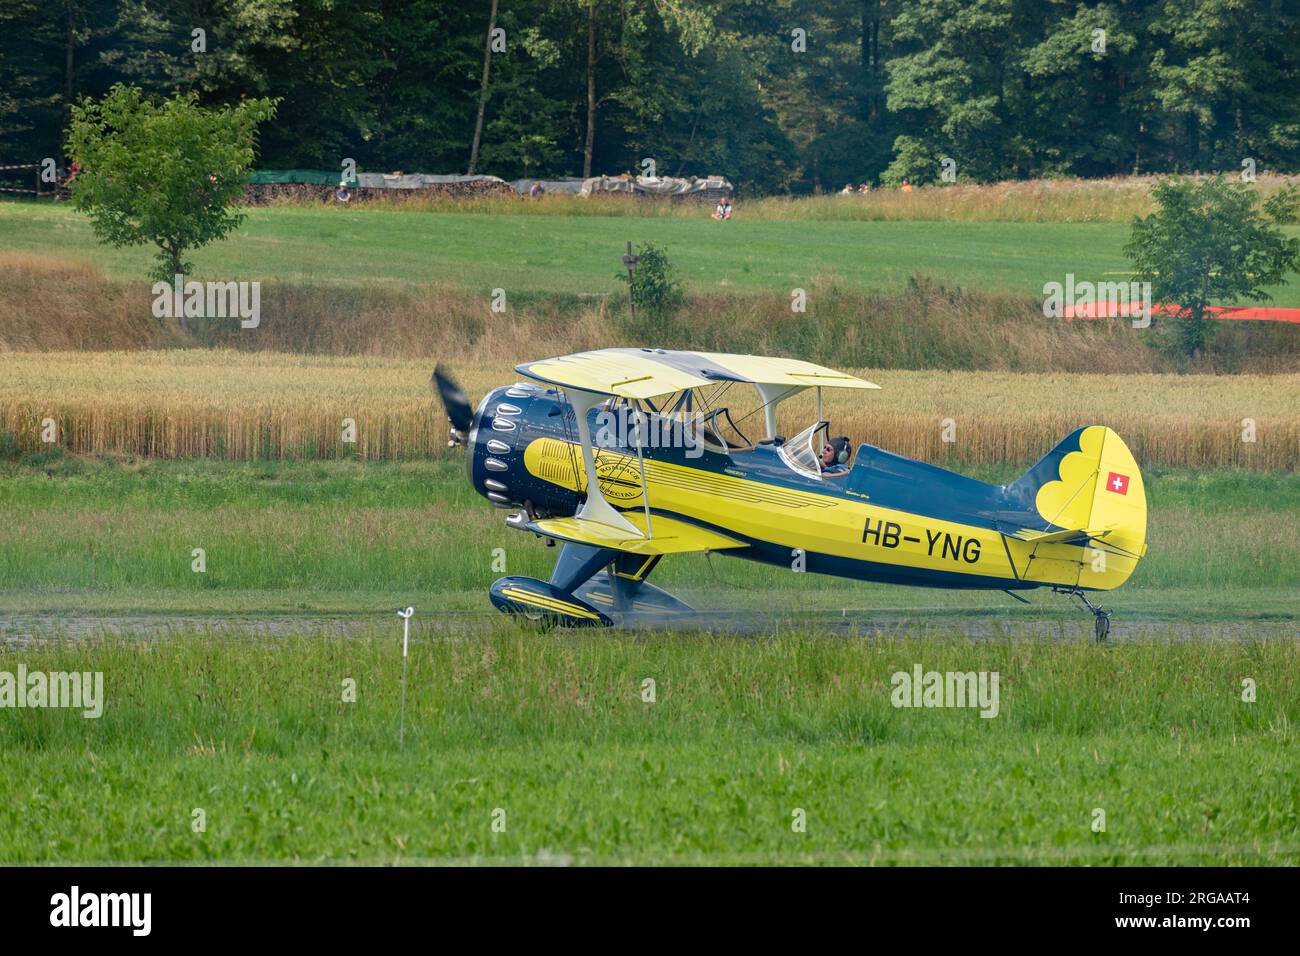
724 208
343 195
847 190
538 190
907 185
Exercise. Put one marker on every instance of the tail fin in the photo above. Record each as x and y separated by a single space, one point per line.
1087 492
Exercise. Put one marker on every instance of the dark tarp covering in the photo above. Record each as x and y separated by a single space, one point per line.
314 177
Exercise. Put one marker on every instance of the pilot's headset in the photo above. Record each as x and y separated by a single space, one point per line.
843 450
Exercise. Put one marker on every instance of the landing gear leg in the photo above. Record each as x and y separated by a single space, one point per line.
1100 616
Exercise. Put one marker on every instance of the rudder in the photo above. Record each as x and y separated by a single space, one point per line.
1089 483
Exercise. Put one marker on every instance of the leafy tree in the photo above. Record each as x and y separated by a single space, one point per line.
526 125
1207 242
29 82
222 49
821 89
162 175
958 80
396 82
45 59
1224 73
1077 98
654 286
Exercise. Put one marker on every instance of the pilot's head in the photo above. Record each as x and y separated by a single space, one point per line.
836 452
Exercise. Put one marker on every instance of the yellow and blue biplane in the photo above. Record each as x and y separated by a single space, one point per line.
625 456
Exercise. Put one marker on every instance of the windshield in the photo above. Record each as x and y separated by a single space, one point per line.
803 451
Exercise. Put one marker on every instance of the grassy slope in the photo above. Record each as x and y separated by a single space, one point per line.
554 732
344 538
581 254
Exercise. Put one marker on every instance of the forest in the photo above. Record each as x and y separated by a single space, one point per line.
780 96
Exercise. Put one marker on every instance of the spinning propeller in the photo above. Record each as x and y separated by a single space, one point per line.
456 404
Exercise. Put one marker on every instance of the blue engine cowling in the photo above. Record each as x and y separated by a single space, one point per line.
504 424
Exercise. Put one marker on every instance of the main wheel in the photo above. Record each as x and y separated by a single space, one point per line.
544 604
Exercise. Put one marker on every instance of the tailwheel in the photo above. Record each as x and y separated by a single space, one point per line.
1100 616
1102 624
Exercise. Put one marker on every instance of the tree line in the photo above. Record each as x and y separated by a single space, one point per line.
779 96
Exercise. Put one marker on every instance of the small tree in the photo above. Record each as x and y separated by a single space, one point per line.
654 287
162 175
1209 241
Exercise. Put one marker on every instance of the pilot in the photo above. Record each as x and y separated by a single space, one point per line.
835 456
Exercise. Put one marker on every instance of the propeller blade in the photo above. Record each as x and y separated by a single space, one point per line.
456 403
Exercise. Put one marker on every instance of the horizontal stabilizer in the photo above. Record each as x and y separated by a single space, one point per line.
666 535
1069 536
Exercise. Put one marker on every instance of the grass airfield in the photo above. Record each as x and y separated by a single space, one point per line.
224 690
227 689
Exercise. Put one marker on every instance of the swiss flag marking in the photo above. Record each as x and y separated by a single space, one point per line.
1117 483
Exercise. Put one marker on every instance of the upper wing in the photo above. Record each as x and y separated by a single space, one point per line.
766 370
670 535
645 373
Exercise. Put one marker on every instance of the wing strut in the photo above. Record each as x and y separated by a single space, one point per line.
596 507
640 458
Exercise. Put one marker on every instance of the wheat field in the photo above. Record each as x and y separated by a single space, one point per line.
187 403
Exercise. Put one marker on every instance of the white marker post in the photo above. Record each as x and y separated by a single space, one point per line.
406 641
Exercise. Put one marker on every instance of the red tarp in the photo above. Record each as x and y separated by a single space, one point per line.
1103 310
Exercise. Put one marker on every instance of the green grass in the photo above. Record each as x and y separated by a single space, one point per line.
246 722
522 253
552 729
345 538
